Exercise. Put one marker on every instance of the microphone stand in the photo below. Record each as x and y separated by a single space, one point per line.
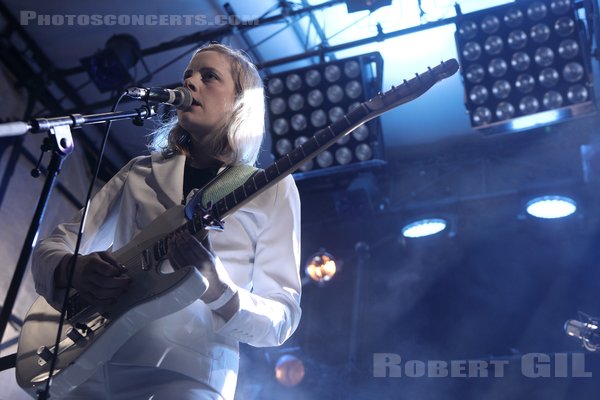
60 142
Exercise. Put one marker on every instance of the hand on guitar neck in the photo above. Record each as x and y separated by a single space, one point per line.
184 250
98 277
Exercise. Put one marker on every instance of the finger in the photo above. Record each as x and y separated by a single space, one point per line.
103 268
107 257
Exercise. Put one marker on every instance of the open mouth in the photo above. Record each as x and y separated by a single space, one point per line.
196 103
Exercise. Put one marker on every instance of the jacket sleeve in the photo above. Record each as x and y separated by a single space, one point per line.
98 236
270 313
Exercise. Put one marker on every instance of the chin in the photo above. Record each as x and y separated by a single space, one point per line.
195 130
189 122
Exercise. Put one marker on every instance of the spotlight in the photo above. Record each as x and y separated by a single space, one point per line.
108 68
321 267
364 5
551 207
521 59
424 227
305 100
289 370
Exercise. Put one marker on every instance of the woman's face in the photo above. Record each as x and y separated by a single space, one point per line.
209 78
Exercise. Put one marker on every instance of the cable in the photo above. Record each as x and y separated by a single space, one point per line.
368 15
165 65
45 394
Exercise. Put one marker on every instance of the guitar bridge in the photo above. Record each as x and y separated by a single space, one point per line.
79 335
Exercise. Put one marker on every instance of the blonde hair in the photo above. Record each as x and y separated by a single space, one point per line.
238 140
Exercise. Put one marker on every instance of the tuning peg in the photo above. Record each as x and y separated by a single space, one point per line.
418 76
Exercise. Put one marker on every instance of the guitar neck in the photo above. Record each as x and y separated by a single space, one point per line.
264 179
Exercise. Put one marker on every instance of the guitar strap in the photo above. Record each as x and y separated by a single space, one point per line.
224 183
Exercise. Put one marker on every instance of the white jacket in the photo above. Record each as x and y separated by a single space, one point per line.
260 249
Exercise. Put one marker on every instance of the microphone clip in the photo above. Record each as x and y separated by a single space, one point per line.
587 329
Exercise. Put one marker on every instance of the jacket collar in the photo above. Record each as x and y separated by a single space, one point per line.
167 173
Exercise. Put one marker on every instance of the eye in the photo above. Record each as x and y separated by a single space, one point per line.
209 76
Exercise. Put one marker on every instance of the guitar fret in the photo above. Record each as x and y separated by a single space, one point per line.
240 193
272 173
296 156
324 136
260 179
283 164
221 208
310 146
230 201
254 182
339 126
357 114
249 187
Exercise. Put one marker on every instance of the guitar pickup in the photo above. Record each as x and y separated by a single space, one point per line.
74 335
45 355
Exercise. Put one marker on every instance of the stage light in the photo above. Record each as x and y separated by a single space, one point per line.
424 227
551 207
321 267
108 68
303 101
364 5
521 59
289 370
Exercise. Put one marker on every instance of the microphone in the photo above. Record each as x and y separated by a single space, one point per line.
14 129
180 97
588 332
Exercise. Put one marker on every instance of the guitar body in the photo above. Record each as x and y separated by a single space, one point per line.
92 336
156 291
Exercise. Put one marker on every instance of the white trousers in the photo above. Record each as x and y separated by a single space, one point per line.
118 382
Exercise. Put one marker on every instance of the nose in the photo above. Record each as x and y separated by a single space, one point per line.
190 84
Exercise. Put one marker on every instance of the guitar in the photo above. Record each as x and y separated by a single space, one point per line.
92 335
